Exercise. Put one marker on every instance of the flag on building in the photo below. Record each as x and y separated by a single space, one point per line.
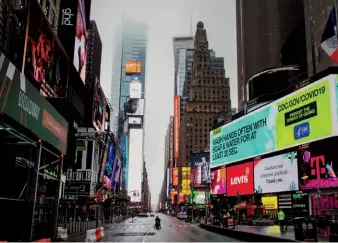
329 41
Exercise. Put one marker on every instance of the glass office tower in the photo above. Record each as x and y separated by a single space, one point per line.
132 46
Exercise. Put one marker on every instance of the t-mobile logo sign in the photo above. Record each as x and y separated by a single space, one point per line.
318 166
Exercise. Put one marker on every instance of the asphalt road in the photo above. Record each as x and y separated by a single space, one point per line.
173 230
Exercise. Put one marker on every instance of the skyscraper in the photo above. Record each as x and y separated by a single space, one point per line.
262 28
208 95
133 44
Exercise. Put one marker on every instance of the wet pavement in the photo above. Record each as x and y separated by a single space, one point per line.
173 230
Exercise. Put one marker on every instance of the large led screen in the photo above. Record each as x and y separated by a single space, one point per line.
318 164
81 40
301 117
240 179
200 172
199 197
276 174
218 181
134 107
135 164
45 60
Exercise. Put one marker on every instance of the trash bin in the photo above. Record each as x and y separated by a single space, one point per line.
305 229
228 222
216 221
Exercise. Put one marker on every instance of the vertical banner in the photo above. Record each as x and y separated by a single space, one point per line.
168 184
175 176
176 124
186 181
171 147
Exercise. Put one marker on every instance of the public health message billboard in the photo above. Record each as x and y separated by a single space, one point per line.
304 116
276 174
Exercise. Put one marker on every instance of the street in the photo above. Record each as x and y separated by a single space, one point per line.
173 230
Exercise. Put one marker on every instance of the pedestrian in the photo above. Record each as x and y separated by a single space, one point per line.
281 219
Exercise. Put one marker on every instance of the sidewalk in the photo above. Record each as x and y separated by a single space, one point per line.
258 233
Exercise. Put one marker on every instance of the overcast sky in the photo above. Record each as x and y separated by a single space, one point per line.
166 19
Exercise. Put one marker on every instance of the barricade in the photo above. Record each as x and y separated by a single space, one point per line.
62 234
44 240
95 235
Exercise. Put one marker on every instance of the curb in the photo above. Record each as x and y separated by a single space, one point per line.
244 235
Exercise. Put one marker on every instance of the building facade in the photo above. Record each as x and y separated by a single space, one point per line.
259 27
208 95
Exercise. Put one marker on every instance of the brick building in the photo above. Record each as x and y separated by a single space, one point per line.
208 95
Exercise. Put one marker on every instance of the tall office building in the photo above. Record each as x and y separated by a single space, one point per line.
262 28
131 46
208 95
316 16
181 44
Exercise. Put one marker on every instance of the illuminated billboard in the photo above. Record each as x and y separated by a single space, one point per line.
218 181
186 181
134 107
99 108
276 174
135 164
175 176
171 143
135 89
301 117
73 32
200 172
177 120
45 60
133 68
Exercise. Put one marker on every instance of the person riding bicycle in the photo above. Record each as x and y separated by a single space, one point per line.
157 221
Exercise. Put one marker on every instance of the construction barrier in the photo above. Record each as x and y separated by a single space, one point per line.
94 235
44 240
62 234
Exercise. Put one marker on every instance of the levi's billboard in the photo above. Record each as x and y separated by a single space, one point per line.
303 116
240 179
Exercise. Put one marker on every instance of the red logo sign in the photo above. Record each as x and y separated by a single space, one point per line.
240 179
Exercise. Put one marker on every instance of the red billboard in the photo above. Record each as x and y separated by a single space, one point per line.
175 176
177 120
240 179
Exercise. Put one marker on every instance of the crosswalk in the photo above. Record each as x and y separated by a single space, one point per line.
143 226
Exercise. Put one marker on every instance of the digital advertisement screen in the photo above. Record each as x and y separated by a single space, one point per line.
186 180
277 173
199 197
175 176
200 172
134 107
98 115
270 202
110 159
81 40
133 68
240 179
218 181
298 118
45 61
117 173
318 165
135 89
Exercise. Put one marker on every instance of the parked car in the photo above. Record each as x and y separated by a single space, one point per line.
152 215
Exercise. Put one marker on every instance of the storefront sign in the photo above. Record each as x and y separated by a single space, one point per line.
276 174
240 179
49 175
78 175
21 101
270 202
298 118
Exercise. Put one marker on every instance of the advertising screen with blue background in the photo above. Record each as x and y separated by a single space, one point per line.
123 146
110 159
306 115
